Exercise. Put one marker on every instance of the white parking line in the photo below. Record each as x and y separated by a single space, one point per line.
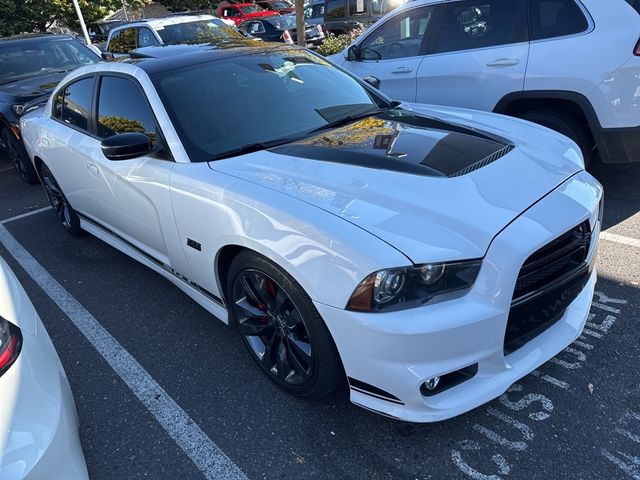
6 169
202 451
612 237
24 215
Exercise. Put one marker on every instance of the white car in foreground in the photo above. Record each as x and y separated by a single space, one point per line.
38 422
430 257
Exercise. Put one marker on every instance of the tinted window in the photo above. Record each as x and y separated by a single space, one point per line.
335 9
284 22
40 57
250 9
201 31
253 27
635 4
399 37
230 12
357 7
73 103
122 108
480 23
380 7
123 41
556 18
220 106
146 38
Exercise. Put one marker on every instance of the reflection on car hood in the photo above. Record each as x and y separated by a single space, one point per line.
413 180
32 87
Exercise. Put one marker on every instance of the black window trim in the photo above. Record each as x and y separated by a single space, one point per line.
162 140
590 27
90 131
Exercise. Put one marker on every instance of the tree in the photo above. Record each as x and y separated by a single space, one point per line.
20 16
182 5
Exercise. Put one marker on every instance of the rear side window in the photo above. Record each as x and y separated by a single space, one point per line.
555 18
335 9
122 108
146 38
635 4
73 104
123 41
480 23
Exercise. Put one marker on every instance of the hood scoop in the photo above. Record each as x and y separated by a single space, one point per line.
404 142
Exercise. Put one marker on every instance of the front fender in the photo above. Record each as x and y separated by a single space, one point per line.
325 254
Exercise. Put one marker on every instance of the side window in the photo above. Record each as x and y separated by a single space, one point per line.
146 38
357 7
335 9
480 23
122 108
400 36
123 41
230 12
255 27
73 103
555 18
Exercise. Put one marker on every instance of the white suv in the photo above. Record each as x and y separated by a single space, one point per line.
571 65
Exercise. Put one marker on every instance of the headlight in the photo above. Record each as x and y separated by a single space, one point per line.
409 287
18 108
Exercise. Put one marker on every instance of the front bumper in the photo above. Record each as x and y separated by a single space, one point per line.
396 352
38 422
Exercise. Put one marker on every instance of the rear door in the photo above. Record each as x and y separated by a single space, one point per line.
478 55
393 51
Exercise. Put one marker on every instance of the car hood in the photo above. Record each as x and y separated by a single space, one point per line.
438 185
32 87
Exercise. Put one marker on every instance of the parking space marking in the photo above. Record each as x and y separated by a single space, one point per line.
613 237
6 169
202 451
24 215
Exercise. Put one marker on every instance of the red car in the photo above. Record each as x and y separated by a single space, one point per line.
241 12
281 6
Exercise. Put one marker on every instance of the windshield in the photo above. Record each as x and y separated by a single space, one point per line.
227 104
281 5
31 58
250 9
284 23
202 31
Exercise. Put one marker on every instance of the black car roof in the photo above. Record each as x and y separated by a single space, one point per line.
167 57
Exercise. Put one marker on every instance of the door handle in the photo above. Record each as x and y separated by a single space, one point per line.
503 62
93 170
402 70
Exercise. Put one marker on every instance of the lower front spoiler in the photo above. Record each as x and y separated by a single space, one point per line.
493 378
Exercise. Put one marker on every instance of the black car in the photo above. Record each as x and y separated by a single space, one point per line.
281 29
30 68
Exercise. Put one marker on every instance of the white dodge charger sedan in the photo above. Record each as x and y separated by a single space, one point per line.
427 257
38 422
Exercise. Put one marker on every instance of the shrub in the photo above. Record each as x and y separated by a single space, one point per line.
336 43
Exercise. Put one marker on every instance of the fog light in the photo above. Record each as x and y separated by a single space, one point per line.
432 383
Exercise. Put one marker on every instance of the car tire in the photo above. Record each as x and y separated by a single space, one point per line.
566 125
19 158
281 328
65 213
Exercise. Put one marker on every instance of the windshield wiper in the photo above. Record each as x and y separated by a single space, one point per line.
253 147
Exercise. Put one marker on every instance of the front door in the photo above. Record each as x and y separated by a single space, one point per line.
393 51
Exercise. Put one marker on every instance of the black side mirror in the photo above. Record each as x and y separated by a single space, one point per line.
353 53
126 146
373 81
108 56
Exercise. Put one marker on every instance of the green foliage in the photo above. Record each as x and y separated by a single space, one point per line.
337 43
182 5
20 16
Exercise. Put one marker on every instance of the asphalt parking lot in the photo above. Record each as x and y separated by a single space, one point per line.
576 417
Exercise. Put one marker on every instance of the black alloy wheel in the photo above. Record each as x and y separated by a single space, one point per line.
65 213
18 157
281 328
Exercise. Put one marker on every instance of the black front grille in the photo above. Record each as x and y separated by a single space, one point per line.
550 279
